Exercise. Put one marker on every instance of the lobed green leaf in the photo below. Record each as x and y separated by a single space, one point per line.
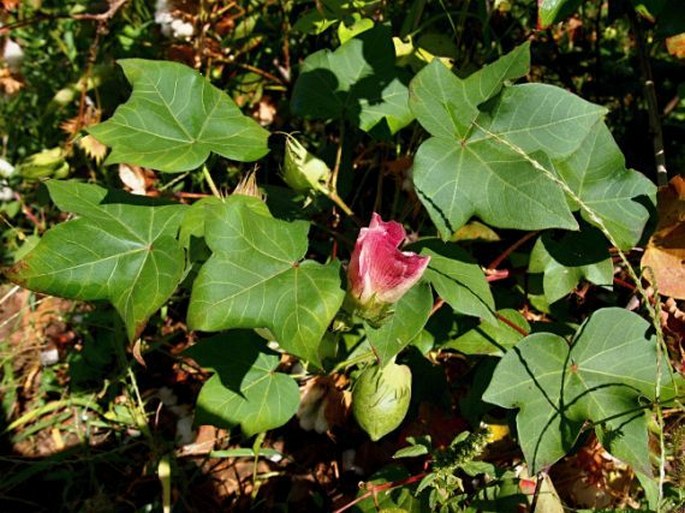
175 118
245 389
357 82
256 278
122 249
606 376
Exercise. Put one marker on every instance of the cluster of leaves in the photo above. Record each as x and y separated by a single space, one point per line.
516 155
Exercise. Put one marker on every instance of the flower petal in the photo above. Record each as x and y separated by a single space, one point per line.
379 272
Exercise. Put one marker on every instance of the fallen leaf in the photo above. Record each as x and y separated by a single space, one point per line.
9 84
676 45
664 258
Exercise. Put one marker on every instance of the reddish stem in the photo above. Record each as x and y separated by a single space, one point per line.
436 306
40 226
511 324
496 274
373 489
191 195
625 284
497 261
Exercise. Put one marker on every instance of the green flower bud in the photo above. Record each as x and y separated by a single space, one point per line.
302 171
44 164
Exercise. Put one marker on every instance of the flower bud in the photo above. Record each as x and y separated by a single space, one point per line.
302 171
44 164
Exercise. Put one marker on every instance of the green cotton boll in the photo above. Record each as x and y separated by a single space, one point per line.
302 171
44 164
380 398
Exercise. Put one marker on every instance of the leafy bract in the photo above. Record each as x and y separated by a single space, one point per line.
122 248
357 82
491 141
256 278
175 118
245 389
405 324
606 376
568 260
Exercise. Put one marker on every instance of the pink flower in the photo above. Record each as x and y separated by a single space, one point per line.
379 273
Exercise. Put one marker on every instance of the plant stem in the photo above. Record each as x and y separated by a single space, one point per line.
210 182
503 256
333 196
353 361
536 494
373 489
650 98
436 306
332 189
333 182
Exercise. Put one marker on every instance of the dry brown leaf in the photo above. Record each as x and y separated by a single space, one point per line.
91 116
676 45
9 84
322 405
9 5
664 258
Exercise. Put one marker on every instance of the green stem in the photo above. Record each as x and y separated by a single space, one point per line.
354 360
333 196
256 448
333 182
50 407
210 182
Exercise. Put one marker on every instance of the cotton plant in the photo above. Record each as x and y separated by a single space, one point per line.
171 25
13 55
7 170
513 155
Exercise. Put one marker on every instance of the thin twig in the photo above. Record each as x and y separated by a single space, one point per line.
259 71
513 326
501 258
373 490
114 6
332 188
333 182
12 291
650 97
